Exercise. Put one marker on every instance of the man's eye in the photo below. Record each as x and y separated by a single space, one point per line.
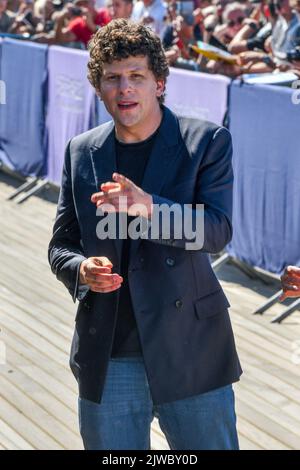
136 75
111 78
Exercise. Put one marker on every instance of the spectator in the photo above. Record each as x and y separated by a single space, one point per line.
255 30
119 8
7 18
84 22
233 18
25 22
177 38
286 32
151 13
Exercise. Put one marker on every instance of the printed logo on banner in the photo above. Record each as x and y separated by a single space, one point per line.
70 93
195 112
2 92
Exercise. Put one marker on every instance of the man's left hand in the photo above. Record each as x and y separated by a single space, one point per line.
138 202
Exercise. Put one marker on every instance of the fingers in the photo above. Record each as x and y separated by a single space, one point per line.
103 279
105 290
293 270
110 186
113 189
126 182
103 261
104 282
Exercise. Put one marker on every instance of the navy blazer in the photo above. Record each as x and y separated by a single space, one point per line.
179 305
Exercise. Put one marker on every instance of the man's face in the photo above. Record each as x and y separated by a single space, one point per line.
283 7
129 91
119 9
235 20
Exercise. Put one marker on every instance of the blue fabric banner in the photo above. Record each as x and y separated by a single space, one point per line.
265 125
22 116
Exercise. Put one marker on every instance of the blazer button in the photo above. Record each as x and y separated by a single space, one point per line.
142 260
92 331
170 261
178 303
86 305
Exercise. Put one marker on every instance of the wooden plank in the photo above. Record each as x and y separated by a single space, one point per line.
37 357
277 424
11 440
33 338
28 430
37 415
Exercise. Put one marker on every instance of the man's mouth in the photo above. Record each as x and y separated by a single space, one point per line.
125 105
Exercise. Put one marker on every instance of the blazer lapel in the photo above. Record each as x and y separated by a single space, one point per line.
165 151
104 164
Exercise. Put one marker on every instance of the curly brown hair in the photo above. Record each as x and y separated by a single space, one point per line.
121 39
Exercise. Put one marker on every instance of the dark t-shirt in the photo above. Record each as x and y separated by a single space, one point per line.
131 162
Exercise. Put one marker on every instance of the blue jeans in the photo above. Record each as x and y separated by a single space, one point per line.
123 418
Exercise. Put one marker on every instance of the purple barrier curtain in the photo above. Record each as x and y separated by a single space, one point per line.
198 95
71 103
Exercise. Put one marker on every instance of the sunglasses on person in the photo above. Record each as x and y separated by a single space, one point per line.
232 23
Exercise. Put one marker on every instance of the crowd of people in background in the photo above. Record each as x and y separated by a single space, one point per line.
260 35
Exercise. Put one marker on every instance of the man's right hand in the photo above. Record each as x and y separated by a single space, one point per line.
96 273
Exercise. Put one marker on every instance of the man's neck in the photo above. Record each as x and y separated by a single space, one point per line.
138 134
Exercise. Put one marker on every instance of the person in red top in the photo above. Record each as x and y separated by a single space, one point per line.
84 22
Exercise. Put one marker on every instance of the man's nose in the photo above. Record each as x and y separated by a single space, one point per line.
124 84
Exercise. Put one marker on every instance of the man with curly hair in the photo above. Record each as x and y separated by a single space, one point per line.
152 332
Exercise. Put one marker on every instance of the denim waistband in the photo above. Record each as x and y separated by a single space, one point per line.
127 359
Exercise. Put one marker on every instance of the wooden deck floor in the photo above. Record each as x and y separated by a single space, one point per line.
38 395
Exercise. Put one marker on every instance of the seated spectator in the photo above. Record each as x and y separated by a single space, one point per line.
256 29
25 20
119 8
180 34
152 13
284 39
233 18
84 20
286 31
7 18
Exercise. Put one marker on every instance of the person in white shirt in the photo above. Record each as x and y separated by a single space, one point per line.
151 13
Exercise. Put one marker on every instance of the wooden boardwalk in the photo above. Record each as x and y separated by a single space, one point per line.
38 395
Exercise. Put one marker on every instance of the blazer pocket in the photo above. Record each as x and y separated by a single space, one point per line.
211 305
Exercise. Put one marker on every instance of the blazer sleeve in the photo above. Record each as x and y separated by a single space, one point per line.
65 252
213 190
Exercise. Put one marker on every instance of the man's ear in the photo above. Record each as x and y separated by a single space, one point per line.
160 87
